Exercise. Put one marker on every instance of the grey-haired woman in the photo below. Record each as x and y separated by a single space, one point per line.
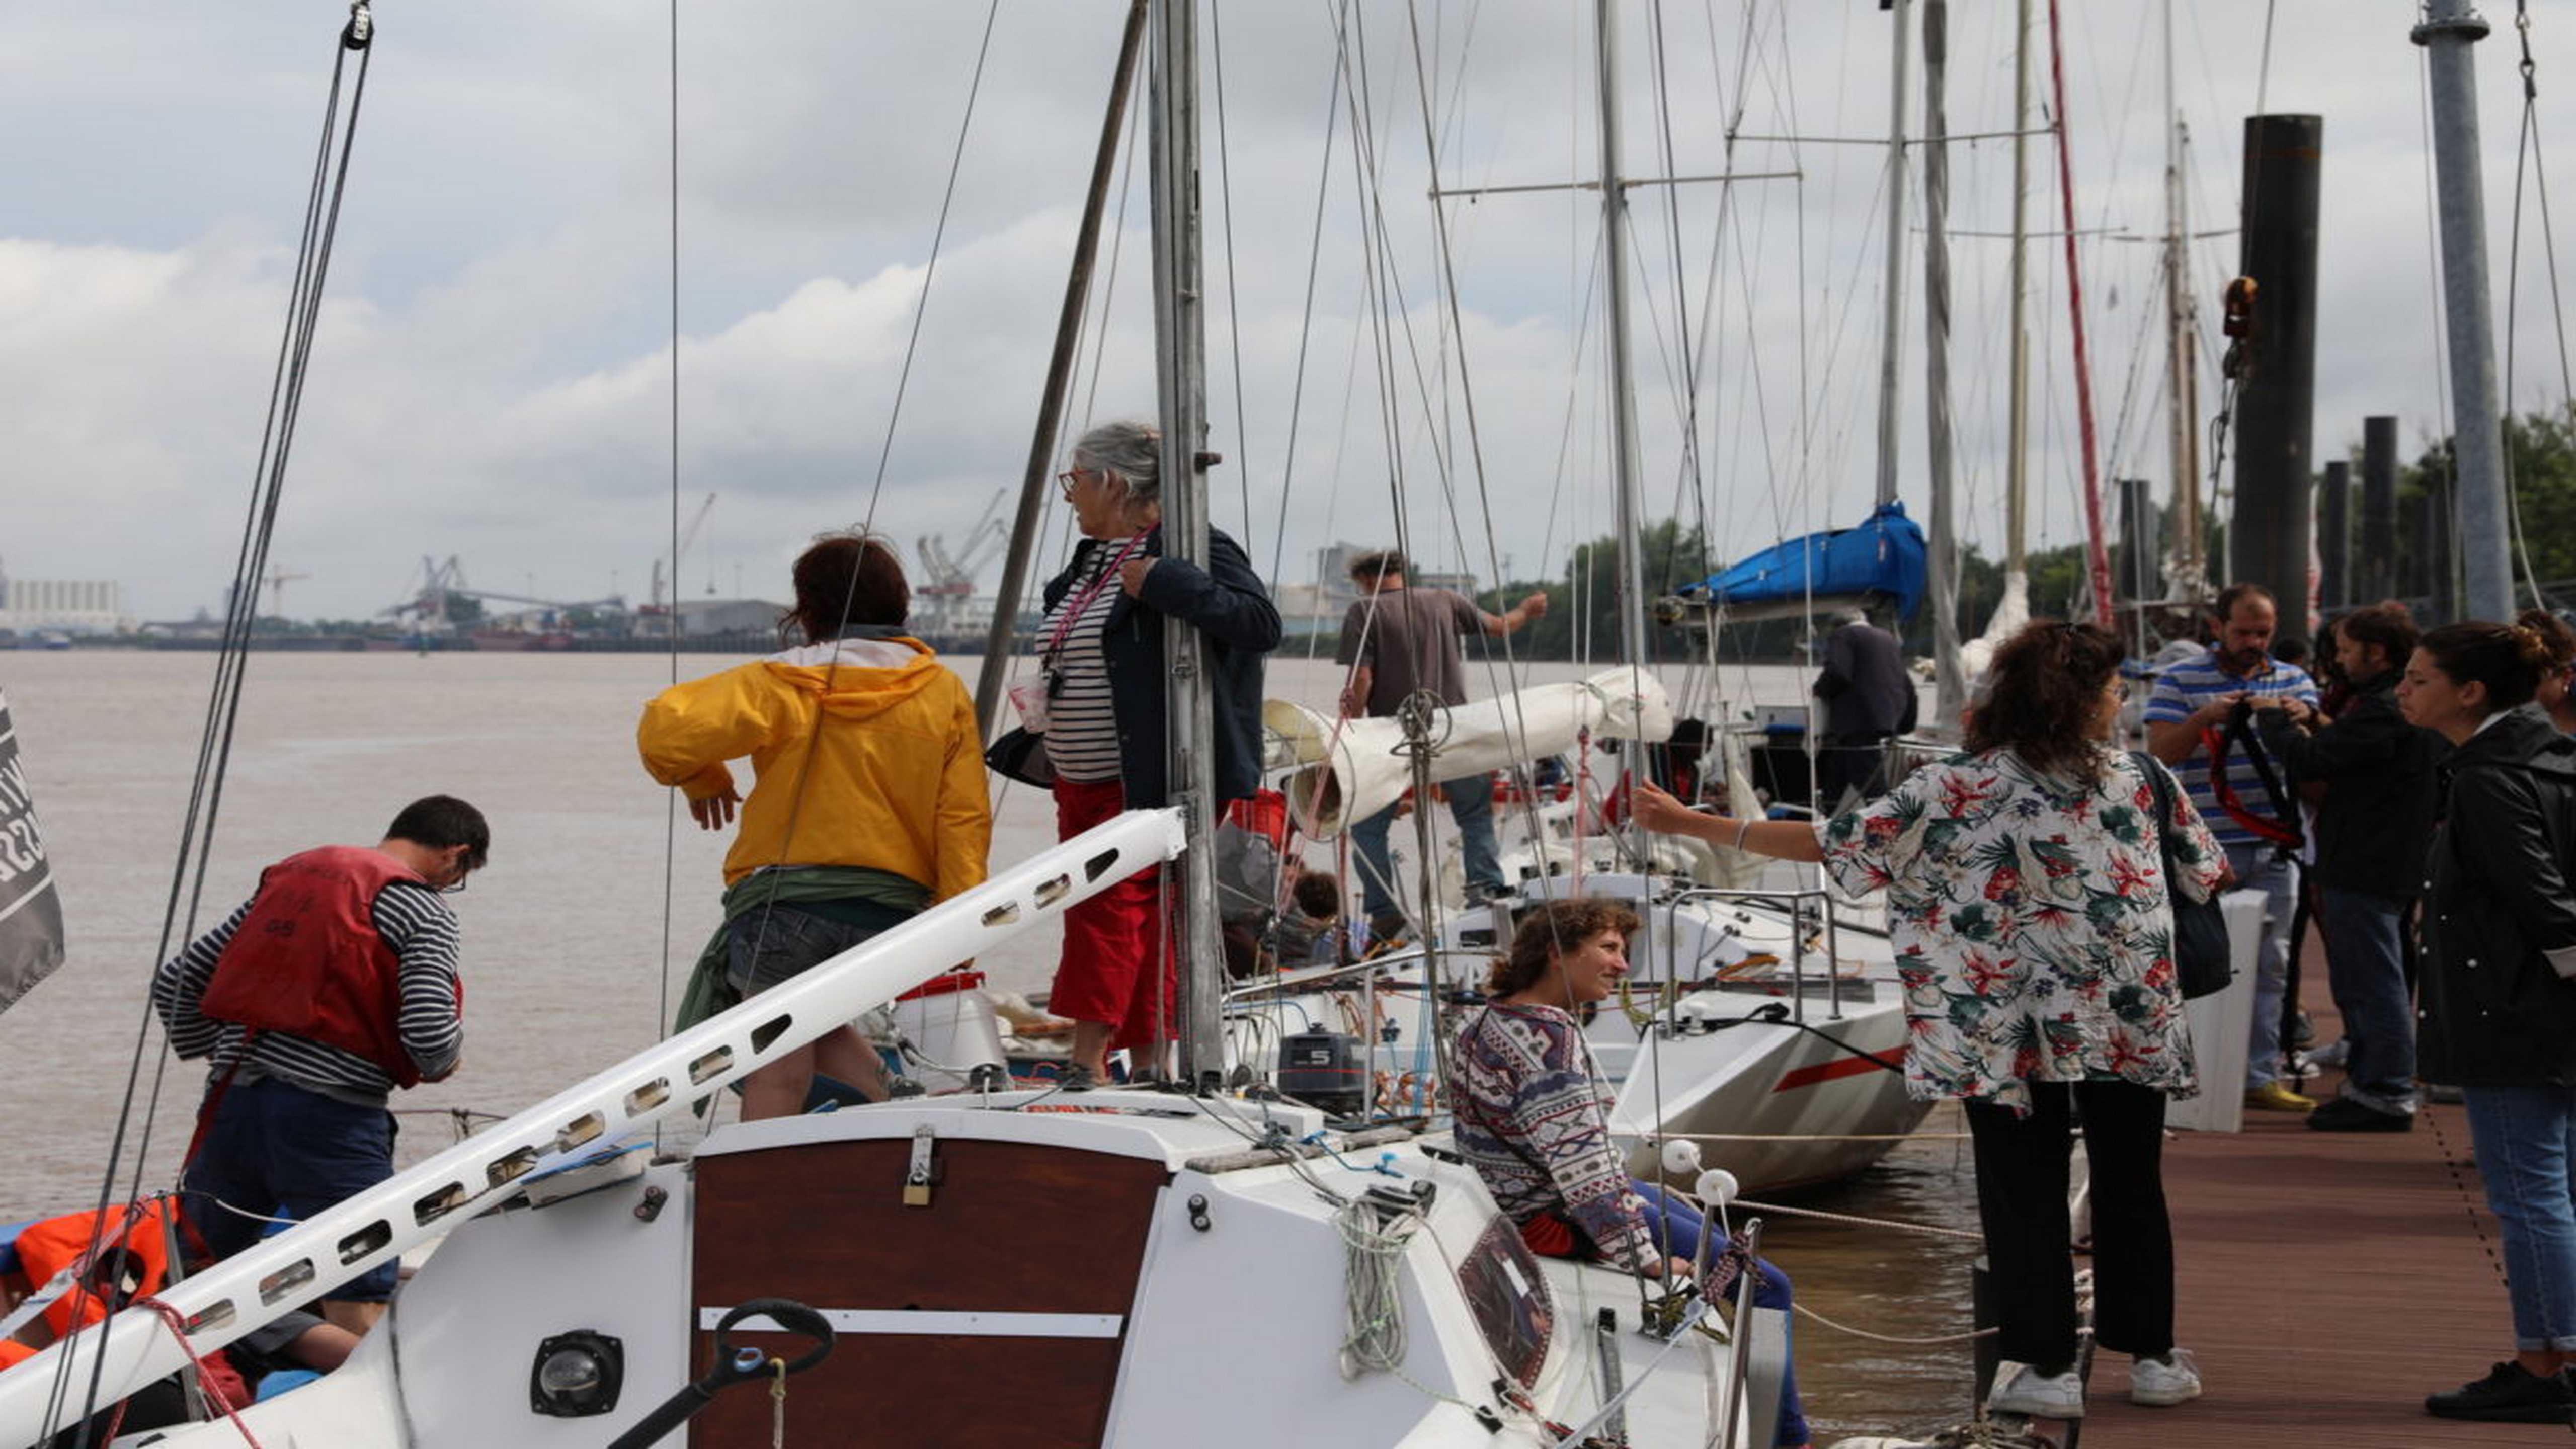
1106 684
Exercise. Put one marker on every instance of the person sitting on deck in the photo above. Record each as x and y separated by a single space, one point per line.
1533 1115
868 802
333 984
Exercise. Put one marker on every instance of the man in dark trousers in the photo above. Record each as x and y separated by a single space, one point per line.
333 984
2377 813
1869 700
1397 641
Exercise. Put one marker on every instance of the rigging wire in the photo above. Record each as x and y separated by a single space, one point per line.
1306 317
1233 294
323 196
930 270
2527 162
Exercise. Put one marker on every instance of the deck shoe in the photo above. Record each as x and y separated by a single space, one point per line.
2510 1394
2273 1097
2021 1388
2164 1382
1076 1078
2343 1114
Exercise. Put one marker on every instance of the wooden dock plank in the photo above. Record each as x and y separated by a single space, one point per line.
2326 1282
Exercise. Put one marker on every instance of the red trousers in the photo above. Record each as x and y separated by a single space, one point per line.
1113 941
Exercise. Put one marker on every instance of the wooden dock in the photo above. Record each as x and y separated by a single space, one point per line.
2326 1282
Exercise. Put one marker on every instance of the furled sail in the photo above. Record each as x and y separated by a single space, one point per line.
1352 770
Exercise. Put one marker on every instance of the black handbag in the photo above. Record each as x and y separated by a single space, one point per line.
1022 756
2202 959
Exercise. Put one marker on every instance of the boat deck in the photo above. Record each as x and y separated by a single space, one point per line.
2326 1282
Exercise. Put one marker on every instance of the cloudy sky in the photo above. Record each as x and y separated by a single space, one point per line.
492 375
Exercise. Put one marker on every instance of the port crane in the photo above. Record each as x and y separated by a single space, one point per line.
426 606
654 602
940 602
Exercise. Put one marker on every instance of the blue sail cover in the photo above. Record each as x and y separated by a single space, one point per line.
1882 557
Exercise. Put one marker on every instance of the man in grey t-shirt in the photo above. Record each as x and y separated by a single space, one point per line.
1398 641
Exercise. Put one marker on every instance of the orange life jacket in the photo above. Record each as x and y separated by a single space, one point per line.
48 1247
307 960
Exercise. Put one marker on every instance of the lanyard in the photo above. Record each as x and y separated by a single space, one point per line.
1075 606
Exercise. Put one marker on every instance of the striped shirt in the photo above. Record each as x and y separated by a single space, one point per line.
2185 687
1082 728
422 932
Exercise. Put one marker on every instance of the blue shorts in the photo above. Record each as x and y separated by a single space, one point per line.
276 1150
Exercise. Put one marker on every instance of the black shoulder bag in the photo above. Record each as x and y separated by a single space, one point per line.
2201 964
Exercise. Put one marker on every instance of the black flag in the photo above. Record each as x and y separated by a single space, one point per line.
31 914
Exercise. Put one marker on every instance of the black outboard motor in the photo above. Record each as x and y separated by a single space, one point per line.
1324 1070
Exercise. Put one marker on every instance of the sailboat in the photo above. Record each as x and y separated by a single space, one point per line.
1752 1023
1121 1269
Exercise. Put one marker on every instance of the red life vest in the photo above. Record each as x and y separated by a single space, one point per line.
307 960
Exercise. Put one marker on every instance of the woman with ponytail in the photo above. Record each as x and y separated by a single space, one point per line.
2498 1005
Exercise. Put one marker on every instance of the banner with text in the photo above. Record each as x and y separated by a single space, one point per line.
31 914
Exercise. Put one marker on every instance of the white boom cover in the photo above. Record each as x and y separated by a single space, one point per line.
1353 769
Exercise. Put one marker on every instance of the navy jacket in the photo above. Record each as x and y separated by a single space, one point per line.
2495 1011
1229 605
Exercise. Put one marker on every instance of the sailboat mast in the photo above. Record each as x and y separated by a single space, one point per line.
1180 353
2182 429
1892 330
2017 440
1623 396
1950 680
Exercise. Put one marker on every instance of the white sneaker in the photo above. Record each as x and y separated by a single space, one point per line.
2161 1384
2022 1389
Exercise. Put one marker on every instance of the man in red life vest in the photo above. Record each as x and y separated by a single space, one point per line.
333 984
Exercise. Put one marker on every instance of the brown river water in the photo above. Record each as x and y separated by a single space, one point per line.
596 900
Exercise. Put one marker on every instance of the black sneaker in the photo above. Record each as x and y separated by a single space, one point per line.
2343 1114
2509 1395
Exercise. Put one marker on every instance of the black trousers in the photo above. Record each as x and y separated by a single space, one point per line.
2021 1203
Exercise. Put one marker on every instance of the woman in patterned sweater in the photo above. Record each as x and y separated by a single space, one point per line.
1533 1115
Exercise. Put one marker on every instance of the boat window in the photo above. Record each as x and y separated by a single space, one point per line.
1508 1294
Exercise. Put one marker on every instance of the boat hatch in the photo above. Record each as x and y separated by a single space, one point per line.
981 1288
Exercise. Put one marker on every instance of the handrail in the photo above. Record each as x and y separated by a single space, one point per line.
262 1282
1796 900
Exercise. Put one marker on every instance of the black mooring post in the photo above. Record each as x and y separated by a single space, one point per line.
2334 536
2378 566
2268 534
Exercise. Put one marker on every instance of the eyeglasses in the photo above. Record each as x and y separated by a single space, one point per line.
1065 480
456 887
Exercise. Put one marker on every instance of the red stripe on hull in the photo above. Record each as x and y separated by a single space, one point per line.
1893 1059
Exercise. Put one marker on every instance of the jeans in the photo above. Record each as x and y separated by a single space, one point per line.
2259 867
2526 1137
1471 805
2021 1206
2366 965
1676 1227
279 1151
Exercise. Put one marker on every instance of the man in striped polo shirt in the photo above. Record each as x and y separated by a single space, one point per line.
333 984
2195 696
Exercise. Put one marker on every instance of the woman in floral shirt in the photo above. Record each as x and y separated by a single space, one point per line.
2034 940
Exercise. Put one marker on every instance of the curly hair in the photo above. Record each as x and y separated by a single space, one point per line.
1549 928
2042 689
2507 658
